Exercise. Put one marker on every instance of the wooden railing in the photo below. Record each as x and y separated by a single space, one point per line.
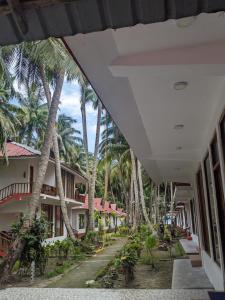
5 242
15 188
49 190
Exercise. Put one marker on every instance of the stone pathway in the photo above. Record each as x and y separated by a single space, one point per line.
100 294
89 268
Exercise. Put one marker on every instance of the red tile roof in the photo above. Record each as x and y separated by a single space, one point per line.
98 205
19 150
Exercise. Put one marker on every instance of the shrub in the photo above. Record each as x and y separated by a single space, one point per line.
123 230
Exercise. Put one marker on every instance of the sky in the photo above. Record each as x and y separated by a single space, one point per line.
70 105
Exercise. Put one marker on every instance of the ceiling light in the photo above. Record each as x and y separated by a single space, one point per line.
185 22
179 148
180 85
179 126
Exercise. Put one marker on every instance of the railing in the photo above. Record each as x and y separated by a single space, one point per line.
49 190
15 188
5 242
27 188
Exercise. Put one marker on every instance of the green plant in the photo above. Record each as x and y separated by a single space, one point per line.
123 230
33 239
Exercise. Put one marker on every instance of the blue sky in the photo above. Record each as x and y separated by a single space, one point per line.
70 105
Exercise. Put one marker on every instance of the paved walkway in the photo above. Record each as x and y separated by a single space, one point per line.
100 294
187 277
190 247
88 269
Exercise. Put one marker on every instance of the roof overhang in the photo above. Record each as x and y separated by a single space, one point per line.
37 19
133 71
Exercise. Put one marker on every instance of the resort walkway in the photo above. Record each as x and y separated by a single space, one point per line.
89 268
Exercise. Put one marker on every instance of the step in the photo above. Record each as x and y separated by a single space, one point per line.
196 260
190 247
187 277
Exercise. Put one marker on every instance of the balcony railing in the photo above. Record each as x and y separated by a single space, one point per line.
49 190
27 188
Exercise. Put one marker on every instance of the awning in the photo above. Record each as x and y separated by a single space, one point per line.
35 20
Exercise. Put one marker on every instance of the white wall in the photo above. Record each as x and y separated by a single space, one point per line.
213 271
50 175
75 220
14 172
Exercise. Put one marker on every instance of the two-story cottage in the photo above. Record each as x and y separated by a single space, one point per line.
16 185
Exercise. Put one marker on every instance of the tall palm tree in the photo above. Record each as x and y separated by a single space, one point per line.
144 211
68 138
18 245
33 115
8 119
92 179
41 62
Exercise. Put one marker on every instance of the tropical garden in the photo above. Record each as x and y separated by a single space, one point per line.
32 78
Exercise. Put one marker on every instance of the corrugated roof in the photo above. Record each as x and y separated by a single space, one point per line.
42 19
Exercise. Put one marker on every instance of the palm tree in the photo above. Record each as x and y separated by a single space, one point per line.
144 211
41 62
33 115
8 119
18 245
92 179
136 196
68 138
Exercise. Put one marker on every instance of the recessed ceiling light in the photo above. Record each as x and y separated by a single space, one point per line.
179 126
180 85
185 22
179 148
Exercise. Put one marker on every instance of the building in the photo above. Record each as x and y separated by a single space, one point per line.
16 185
111 217
168 99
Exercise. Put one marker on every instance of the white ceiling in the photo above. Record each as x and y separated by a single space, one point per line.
133 71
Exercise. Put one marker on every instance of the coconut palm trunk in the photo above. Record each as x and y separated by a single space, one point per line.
144 211
136 196
131 199
92 181
83 84
18 245
58 173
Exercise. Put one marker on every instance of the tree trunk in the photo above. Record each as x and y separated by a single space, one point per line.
18 245
85 136
136 197
58 173
131 202
60 186
142 197
106 185
91 193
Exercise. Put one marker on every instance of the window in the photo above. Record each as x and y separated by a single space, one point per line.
202 211
211 207
81 221
58 221
47 211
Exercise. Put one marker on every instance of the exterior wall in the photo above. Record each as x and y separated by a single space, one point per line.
215 272
17 171
75 220
50 175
